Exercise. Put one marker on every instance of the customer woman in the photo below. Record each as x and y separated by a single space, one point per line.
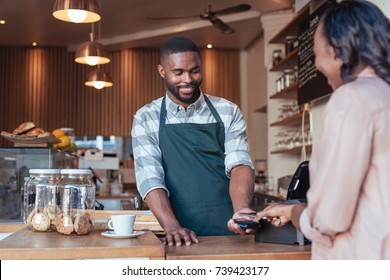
348 209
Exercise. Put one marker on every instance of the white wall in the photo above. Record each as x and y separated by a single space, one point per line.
254 81
384 5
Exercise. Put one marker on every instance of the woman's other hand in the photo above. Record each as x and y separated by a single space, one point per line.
277 214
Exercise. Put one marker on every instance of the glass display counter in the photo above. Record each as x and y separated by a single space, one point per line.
15 163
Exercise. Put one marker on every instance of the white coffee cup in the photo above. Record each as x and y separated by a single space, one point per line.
122 224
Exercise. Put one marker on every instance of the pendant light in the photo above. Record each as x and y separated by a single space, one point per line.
92 53
77 11
98 79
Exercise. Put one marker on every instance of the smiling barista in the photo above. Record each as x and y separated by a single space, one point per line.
191 154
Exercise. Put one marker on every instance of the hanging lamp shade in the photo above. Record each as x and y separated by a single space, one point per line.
98 79
91 53
77 11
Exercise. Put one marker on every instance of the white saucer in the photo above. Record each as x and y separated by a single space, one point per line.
112 234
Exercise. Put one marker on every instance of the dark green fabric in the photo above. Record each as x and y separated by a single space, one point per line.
193 161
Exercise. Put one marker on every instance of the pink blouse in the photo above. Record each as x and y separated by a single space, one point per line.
348 214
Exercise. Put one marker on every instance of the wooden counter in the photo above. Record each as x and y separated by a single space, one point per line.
25 244
240 247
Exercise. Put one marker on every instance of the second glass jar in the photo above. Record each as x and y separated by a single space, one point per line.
76 192
288 78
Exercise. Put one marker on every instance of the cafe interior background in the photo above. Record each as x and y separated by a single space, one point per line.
41 82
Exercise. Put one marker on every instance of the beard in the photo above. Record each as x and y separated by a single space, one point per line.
175 90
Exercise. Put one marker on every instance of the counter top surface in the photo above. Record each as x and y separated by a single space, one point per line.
25 244
242 247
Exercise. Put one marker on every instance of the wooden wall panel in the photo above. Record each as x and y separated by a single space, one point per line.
46 86
221 73
34 86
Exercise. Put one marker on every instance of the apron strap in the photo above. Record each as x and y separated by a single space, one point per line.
163 112
212 109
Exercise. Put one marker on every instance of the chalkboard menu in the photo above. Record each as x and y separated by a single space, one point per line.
312 84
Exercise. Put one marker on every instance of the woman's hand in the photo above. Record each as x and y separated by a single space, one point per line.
277 214
280 214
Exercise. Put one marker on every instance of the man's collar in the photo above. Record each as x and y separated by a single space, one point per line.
174 107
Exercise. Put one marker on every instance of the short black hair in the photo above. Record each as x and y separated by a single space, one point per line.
177 45
359 32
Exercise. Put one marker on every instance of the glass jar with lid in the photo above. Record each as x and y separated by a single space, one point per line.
280 84
40 201
277 56
291 42
76 192
288 77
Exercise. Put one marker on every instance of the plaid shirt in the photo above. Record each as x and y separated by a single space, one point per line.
145 137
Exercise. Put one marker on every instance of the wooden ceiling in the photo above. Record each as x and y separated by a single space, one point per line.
124 23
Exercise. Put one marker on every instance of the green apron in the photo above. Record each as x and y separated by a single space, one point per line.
194 164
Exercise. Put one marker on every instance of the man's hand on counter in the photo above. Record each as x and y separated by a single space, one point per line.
178 236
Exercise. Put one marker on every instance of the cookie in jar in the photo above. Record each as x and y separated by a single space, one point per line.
40 200
76 192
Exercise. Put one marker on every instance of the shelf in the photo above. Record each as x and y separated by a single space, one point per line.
286 132
287 93
296 150
291 29
294 120
288 62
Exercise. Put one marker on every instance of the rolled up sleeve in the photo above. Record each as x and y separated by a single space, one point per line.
149 172
311 233
236 143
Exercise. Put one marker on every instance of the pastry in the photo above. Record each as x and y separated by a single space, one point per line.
40 222
45 134
29 219
64 224
83 224
35 131
50 210
23 128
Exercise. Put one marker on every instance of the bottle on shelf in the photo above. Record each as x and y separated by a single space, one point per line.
291 43
277 56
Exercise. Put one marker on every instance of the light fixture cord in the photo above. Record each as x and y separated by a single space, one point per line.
99 29
96 38
92 34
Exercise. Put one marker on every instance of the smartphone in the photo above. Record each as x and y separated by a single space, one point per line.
247 224
251 214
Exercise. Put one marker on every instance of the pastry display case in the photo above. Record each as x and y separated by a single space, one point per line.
15 163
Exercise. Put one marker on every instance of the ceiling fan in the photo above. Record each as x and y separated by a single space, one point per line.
212 16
